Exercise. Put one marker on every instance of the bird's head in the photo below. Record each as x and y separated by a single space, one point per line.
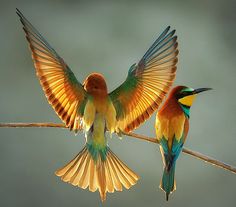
95 84
186 96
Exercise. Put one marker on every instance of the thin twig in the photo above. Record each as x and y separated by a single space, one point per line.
189 152
26 125
142 137
133 135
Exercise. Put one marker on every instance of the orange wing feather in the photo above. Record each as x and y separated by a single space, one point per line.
147 83
63 91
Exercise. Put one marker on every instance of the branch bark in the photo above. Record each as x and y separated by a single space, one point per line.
195 154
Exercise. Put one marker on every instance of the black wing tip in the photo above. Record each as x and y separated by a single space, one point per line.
169 33
172 32
18 12
22 17
168 28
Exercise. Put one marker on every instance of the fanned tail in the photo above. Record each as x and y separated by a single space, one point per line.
105 174
168 180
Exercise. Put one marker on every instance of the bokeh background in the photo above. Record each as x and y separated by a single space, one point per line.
109 36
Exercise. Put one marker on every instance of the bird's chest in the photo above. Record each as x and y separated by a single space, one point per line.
170 127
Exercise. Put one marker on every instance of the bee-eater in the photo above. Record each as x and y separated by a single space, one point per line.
172 125
91 108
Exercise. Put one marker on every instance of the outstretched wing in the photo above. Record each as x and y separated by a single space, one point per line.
147 83
63 91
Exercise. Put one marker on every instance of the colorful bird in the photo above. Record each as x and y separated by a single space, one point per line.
91 108
172 125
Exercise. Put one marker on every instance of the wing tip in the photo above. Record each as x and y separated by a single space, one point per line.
22 17
19 13
17 10
168 29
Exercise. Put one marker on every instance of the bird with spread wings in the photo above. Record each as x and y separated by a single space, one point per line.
89 106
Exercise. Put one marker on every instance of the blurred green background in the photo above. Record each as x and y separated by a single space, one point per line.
109 36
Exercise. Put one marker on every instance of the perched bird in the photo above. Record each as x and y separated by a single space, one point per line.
91 108
172 125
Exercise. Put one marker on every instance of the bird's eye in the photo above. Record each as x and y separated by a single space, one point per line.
181 94
184 93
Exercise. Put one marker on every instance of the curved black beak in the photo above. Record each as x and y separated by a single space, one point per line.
199 90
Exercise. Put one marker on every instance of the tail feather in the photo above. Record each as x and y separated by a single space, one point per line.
168 180
83 179
127 177
110 185
115 178
71 165
73 175
101 178
132 178
121 178
104 175
93 177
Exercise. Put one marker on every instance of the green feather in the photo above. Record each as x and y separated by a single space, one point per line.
97 150
186 110
168 180
123 92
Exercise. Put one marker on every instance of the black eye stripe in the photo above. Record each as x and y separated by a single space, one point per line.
183 94
188 107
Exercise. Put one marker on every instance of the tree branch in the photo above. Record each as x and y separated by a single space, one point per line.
133 135
27 125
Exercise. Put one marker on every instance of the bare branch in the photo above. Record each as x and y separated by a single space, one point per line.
189 152
133 135
26 125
